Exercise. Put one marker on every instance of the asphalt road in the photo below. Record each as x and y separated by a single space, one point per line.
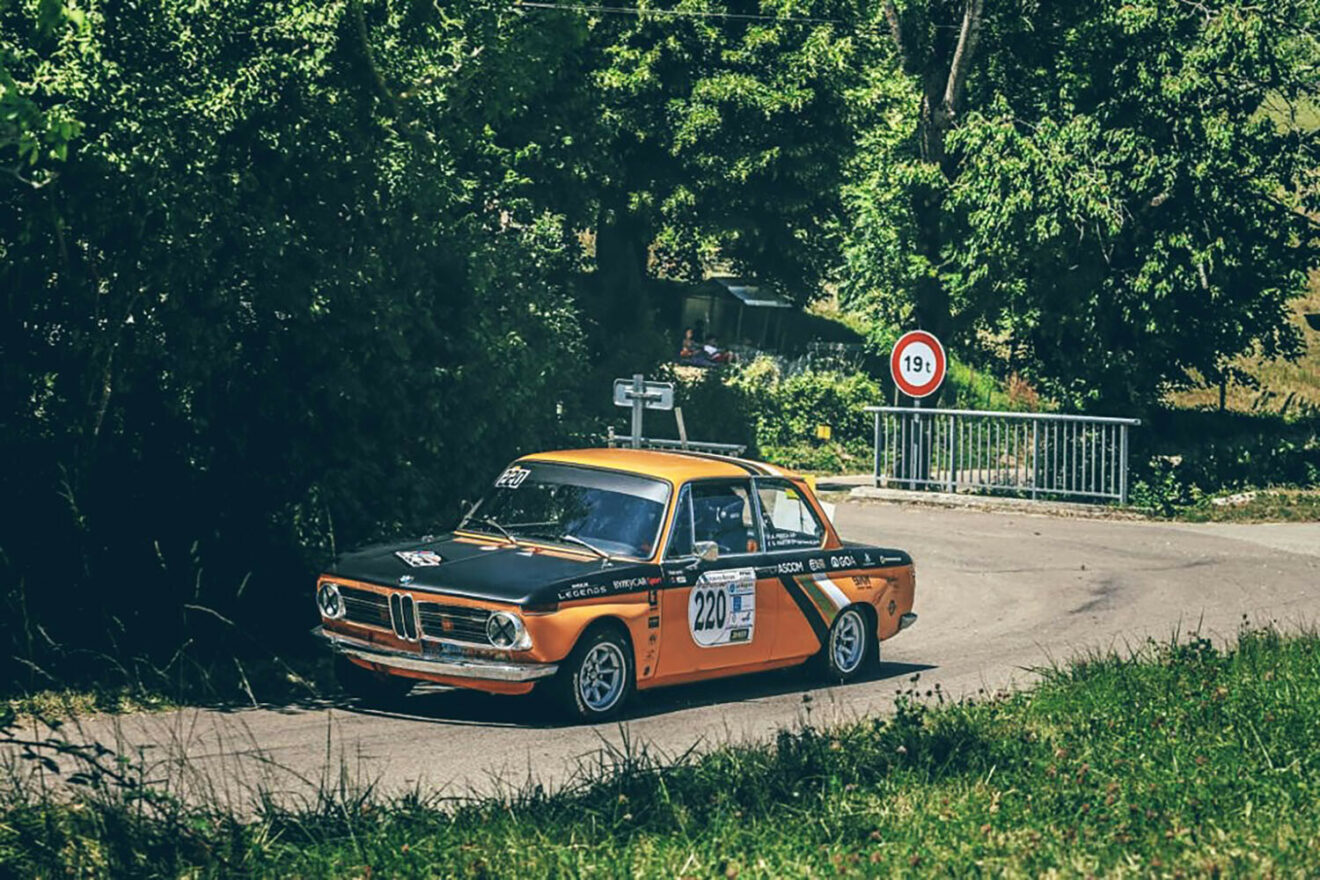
998 594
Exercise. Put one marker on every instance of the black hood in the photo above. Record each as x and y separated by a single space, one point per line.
495 571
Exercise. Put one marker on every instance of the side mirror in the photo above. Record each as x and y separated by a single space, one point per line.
706 551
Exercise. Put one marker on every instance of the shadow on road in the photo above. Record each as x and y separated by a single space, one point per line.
457 706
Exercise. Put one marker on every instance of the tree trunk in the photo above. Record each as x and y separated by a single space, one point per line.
621 255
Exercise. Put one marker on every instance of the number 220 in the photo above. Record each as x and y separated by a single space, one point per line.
712 610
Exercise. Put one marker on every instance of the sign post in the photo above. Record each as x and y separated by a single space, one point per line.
642 395
918 366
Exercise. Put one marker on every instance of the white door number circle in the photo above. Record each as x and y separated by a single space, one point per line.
917 363
722 607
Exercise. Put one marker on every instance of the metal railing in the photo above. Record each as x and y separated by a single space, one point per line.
1030 454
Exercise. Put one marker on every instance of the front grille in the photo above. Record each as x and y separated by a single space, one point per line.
366 607
403 614
458 623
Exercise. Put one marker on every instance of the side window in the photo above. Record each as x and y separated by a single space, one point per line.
789 521
722 512
680 537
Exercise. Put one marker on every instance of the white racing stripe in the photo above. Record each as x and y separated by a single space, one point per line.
830 589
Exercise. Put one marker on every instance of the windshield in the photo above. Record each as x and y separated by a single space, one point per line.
616 514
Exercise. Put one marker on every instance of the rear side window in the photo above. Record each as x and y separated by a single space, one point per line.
789 521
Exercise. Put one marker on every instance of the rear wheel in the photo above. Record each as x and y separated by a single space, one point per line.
375 689
596 679
851 641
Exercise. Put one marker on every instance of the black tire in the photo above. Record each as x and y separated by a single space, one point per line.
850 646
374 689
565 695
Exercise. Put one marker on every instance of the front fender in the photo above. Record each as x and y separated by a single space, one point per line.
555 634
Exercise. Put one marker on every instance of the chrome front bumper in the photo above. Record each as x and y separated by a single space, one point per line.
906 620
456 667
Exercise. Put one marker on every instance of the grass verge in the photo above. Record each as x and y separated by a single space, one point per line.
1179 759
1266 505
126 687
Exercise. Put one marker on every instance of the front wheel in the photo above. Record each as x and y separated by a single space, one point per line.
850 642
596 680
374 689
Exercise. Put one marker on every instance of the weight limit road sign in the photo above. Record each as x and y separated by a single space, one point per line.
917 364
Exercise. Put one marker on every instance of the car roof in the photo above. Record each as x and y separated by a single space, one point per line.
673 466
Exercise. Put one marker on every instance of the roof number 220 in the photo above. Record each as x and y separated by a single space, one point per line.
512 478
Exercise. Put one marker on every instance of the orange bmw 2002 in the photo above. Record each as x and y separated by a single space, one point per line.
592 573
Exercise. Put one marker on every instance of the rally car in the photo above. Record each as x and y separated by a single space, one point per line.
592 573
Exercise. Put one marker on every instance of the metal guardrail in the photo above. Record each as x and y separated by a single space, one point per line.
1033 454
612 440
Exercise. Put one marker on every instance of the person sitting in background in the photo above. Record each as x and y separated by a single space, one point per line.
689 349
711 352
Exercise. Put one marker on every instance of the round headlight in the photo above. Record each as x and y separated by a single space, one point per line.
506 630
329 600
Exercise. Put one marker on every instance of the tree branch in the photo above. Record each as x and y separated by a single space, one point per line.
896 30
963 55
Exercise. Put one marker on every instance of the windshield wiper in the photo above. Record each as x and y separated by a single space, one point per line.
574 539
487 521
570 539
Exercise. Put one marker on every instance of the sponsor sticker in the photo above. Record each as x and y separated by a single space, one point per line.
420 558
582 590
722 607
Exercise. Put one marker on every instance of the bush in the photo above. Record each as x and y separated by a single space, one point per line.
1180 455
788 409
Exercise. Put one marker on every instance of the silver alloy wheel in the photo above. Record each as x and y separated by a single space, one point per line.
601 678
848 642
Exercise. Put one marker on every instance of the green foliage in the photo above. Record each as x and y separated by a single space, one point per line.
787 409
1112 218
271 304
1180 758
46 56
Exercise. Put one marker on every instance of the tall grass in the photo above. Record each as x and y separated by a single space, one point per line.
1291 388
1179 759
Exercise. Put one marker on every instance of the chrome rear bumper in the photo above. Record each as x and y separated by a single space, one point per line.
455 667
906 620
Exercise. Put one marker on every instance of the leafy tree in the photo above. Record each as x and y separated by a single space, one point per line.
1091 187
272 298
678 136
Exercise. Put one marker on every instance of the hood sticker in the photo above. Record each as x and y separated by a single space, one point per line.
420 558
